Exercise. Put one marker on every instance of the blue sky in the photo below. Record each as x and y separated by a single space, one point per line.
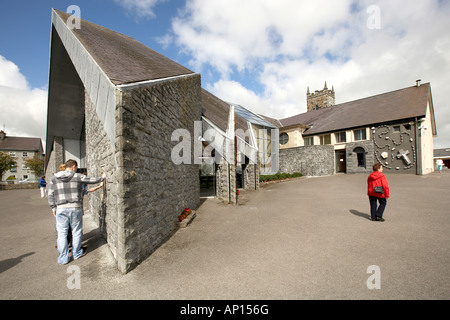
25 26
262 54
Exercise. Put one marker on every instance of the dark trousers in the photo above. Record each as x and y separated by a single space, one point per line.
375 210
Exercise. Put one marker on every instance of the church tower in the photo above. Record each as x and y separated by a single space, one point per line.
320 99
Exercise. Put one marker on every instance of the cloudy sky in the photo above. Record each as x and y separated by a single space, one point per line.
262 54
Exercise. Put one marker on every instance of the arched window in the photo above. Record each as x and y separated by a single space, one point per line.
361 156
284 138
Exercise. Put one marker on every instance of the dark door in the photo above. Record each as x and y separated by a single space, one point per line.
208 178
341 163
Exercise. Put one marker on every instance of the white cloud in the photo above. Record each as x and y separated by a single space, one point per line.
139 8
23 110
10 75
289 45
228 34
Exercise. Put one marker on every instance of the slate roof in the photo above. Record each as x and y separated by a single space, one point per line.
125 60
441 153
122 58
21 144
406 103
217 111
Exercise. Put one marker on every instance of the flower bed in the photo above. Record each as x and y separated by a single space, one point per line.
186 217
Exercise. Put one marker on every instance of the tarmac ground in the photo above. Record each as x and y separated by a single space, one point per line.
305 238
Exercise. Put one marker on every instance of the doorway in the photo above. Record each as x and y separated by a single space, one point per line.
207 178
341 163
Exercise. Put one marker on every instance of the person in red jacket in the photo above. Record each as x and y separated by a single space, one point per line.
377 178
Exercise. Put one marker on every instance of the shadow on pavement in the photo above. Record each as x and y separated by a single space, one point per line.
360 214
9 263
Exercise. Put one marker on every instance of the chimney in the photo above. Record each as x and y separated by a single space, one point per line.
418 83
2 135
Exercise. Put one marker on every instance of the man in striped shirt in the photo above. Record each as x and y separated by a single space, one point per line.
65 197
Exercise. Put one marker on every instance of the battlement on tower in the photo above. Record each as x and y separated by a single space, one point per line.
320 98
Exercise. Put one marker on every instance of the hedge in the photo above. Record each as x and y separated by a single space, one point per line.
279 176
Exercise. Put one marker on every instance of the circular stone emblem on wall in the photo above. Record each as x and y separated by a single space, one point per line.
394 146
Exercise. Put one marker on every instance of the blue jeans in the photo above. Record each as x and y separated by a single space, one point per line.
65 218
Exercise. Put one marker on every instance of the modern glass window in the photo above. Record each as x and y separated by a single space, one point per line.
325 139
360 134
25 154
284 138
341 137
264 142
309 141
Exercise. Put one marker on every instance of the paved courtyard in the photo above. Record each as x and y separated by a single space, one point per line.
307 238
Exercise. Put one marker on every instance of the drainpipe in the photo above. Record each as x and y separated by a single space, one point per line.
254 172
416 134
229 184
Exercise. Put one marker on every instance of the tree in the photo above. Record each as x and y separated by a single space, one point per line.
6 163
36 164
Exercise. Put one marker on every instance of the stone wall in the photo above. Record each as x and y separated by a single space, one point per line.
251 177
56 157
144 191
352 157
309 160
19 186
226 182
320 99
105 204
152 190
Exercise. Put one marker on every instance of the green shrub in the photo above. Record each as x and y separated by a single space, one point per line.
279 176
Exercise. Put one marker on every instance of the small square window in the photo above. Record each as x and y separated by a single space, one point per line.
325 139
341 137
360 134
309 141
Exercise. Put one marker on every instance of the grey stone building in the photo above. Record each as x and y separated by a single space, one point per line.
113 104
394 128
143 121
